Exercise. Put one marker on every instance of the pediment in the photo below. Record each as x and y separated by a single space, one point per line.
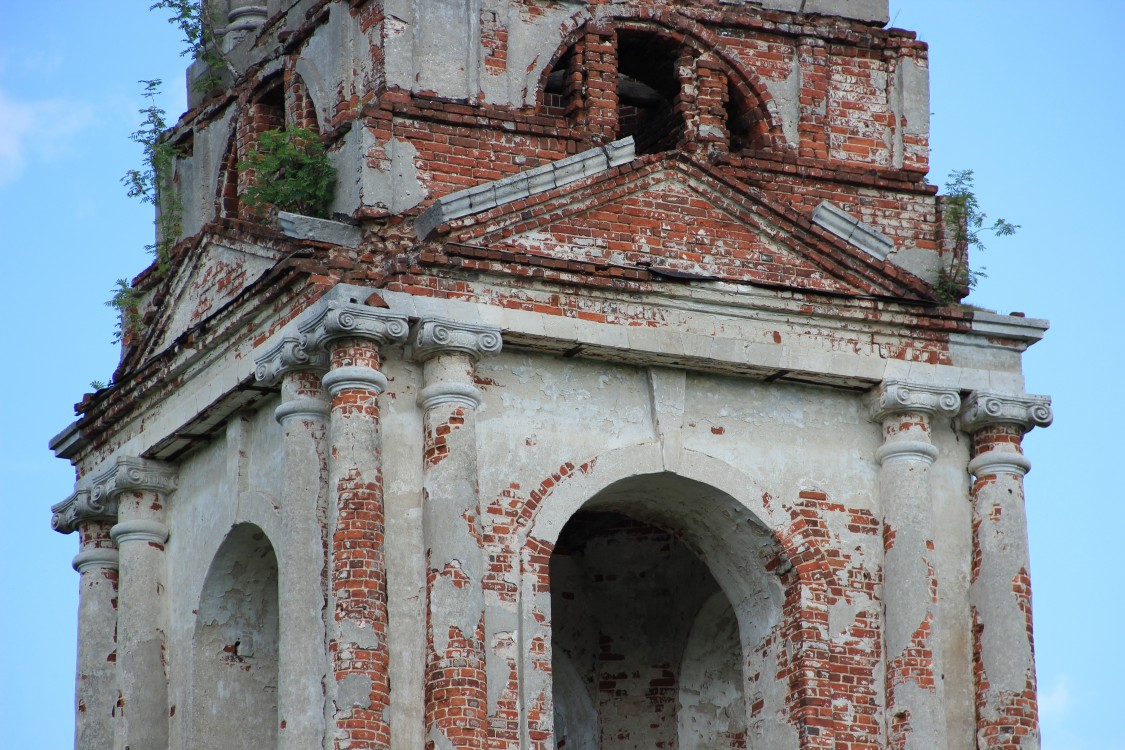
677 218
212 274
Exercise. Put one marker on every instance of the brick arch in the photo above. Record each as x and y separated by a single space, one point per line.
681 28
802 588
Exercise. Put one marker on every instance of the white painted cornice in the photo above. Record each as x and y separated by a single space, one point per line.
898 396
985 409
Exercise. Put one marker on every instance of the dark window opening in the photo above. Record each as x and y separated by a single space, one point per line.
564 83
648 91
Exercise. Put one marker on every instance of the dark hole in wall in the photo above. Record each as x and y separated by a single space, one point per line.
648 91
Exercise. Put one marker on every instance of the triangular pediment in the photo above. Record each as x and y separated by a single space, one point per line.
210 275
676 218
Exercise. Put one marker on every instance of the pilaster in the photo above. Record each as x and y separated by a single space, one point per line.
915 694
1000 584
359 690
456 670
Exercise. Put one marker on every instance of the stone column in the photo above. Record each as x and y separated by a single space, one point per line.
359 689
456 676
302 569
243 17
999 582
140 488
95 694
915 694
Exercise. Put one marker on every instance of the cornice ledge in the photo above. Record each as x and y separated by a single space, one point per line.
290 354
898 396
985 409
1015 327
434 336
329 320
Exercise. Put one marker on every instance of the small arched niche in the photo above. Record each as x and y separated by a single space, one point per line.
663 617
235 646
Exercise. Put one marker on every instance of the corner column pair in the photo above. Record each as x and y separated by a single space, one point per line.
999 588
122 683
345 339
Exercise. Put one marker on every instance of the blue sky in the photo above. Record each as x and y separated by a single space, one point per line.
1028 96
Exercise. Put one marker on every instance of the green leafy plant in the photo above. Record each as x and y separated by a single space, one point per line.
200 38
127 301
291 172
152 184
965 224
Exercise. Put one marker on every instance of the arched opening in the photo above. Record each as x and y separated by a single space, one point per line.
235 646
664 621
660 97
649 90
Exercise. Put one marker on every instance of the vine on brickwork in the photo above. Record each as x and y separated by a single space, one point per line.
965 223
291 172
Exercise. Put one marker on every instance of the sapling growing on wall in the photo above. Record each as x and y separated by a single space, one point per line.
291 172
965 223
200 38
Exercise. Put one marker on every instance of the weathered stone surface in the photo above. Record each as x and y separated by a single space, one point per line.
618 410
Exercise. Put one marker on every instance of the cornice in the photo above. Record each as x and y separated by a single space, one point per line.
899 396
985 409
434 336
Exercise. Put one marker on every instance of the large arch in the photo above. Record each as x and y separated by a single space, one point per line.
235 646
729 523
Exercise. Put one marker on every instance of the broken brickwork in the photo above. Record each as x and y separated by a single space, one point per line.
613 406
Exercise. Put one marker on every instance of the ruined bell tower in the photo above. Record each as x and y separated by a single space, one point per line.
620 397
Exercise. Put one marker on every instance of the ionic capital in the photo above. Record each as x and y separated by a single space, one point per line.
290 354
435 336
899 396
81 507
989 409
129 474
330 320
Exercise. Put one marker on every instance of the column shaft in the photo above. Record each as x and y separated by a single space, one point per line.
96 683
302 576
456 682
915 693
141 657
999 582
358 627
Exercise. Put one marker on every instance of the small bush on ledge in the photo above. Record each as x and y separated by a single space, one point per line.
291 172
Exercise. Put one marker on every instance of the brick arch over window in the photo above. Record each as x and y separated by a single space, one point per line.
750 113
778 608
